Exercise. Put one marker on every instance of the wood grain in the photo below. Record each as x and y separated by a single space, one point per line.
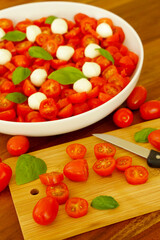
144 17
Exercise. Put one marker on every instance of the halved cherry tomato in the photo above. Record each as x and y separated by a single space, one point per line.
42 38
3 70
22 47
5 175
58 38
66 111
102 150
109 71
76 150
50 46
20 60
105 20
23 109
78 97
66 92
102 61
76 170
94 102
59 191
10 47
79 108
40 22
8 115
122 163
7 87
137 97
104 166
6 24
73 32
5 104
123 117
127 63
51 88
48 109
45 210
21 26
93 93
98 81
34 116
62 103
89 38
104 97
76 207
18 145
79 16
116 79
154 139
150 110
88 24
28 88
111 89
136 175
78 54
51 178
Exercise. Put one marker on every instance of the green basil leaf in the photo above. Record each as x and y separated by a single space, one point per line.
28 168
66 75
39 52
142 136
16 97
15 36
104 202
20 74
50 19
106 54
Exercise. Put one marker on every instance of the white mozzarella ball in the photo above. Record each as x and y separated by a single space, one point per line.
91 69
2 33
91 50
38 77
32 32
35 100
82 85
59 25
104 30
64 52
5 56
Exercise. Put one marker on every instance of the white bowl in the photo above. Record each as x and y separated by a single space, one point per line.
68 10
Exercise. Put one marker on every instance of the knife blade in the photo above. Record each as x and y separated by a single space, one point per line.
152 156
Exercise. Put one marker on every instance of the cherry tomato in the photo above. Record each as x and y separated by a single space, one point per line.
20 60
6 24
23 109
34 116
7 86
111 89
109 71
51 178
76 170
21 26
104 166
5 104
28 88
65 112
78 97
93 93
22 47
51 88
123 117
79 108
150 110
45 211
102 150
89 38
50 46
48 109
18 145
102 62
5 175
137 97
104 97
8 115
10 47
58 38
76 150
59 191
154 138
94 102
123 163
105 20
79 16
78 54
136 175
76 207
42 38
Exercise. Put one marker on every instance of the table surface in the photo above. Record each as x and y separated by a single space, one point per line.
143 15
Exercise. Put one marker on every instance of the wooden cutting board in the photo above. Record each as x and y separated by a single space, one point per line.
133 200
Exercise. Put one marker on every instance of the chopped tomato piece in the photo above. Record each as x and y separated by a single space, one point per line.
136 175
122 163
76 150
28 88
78 97
76 207
65 112
22 47
5 104
8 115
79 108
51 178
51 88
104 166
6 24
48 109
59 191
102 150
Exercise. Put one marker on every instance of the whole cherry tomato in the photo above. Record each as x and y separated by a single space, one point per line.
154 138
59 191
46 210
76 207
150 110
137 97
104 166
136 175
76 150
123 117
51 178
18 145
5 175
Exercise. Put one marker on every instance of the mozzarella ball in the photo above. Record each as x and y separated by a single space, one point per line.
91 50
5 56
35 100
59 25
2 33
64 52
82 85
91 69
104 30
38 77
32 32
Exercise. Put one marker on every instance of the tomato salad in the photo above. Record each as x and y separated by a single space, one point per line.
53 68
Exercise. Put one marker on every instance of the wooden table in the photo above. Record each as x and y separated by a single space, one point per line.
143 15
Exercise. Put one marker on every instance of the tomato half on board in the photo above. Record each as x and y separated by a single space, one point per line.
5 175
136 175
102 150
51 178
59 191
104 166
154 138
76 150
122 163
76 207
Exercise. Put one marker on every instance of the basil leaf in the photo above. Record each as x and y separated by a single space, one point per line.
104 202
142 136
50 19
14 36
106 54
28 168
20 74
16 97
39 52
66 75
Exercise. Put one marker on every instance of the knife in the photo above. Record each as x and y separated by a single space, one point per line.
152 156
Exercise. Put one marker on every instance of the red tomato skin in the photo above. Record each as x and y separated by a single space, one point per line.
5 175
59 191
150 110
122 163
123 117
154 139
45 211
102 150
137 97
18 145
51 178
76 207
132 176
76 150
100 166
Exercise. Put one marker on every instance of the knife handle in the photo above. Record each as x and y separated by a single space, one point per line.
153 159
